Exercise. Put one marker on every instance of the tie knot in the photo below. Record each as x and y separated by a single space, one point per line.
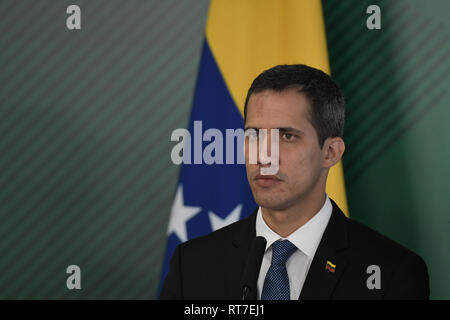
281 251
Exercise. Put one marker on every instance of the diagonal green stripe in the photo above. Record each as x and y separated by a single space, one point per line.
383 74
66 113
381 113
415 99
378 152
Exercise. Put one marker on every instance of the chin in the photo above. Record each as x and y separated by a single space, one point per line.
274 204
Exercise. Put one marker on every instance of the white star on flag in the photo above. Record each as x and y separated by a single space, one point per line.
217 222
179 215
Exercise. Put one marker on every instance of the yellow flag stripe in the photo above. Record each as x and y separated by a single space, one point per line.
249 36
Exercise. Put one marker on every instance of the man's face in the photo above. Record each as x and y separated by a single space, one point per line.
300 156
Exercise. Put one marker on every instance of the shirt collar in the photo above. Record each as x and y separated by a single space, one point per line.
307 237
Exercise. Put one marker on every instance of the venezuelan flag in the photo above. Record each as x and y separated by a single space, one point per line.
243 38
330 266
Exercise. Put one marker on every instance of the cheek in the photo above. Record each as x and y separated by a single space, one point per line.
299 166
292 166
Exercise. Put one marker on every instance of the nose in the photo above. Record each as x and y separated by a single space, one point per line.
264 147
260 145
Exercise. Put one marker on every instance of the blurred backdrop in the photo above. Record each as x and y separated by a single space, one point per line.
86 116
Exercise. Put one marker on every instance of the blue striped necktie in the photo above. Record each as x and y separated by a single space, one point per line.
276 283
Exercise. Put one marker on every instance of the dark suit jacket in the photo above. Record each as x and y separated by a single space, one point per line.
211 267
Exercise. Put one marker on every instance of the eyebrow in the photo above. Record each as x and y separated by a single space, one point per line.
290 129
282 129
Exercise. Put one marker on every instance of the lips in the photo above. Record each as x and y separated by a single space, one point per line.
266 180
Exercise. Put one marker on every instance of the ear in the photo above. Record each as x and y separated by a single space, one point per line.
333 149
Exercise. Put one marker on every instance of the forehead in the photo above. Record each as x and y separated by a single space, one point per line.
273 109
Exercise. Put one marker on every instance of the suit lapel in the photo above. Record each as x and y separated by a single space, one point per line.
321 280
240 249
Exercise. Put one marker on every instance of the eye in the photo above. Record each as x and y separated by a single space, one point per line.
288 137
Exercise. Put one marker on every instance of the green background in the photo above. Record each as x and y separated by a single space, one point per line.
396 83
86 117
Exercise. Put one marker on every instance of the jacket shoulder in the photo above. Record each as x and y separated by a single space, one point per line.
405 274
370 240
220 237
204 266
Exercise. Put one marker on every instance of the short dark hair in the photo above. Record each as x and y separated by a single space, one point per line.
325 97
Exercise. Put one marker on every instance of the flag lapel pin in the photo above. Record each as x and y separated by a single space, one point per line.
330 266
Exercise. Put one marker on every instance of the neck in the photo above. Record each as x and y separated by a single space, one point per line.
286 221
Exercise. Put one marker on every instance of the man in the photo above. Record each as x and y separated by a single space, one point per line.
313 251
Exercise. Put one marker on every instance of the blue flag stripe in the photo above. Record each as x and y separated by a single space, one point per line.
213 189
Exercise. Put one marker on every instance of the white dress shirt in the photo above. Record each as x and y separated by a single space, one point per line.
306 239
